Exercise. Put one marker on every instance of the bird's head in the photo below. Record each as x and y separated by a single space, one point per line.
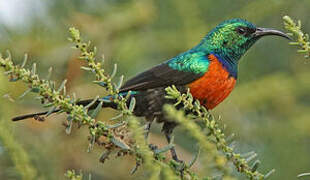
232 38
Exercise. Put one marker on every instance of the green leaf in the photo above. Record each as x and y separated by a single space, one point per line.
97 110
303 175
120 82
35 90
34 69
86 68
164 149
49 75
116 125
117 117
119 143
50 111
269 173
62 86
69 126
104 156
48 105
255 165
114 71
100 83
192 162
132 104
24 61
91 103
91 144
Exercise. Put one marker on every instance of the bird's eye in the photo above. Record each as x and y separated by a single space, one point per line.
241 30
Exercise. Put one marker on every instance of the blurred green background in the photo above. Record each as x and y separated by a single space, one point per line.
268 110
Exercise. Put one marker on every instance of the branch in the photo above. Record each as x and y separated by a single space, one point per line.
197 111
113 137
89 55
302 39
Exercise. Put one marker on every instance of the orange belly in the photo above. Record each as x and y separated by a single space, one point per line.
214 86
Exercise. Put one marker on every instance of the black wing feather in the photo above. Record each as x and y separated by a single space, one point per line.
159 76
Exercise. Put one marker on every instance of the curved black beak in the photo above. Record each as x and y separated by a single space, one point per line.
266 31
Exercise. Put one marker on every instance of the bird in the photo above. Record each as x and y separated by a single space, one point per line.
209 70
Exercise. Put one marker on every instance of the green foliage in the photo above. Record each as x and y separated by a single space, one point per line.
143 149
17 153
96 67
302 39
72 175
12 146
56 98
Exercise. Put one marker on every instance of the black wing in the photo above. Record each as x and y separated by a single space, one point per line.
159 76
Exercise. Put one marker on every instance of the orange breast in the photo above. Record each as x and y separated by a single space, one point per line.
214 86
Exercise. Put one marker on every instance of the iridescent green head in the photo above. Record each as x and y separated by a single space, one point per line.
232 38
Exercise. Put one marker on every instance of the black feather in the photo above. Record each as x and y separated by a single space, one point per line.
159 76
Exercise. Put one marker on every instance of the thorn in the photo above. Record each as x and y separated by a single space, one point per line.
8 97
192 162
49 75
303 175
48 105
269 174
24 61
230 137
163 149
104 156
115 125
34 69
97 110
69 125
100 83
120 83
134 170
50 111
255 165
62 86
253 156
132 104
95 50
102 59
91 144
9 57
117 117
233 144
74 98
91 103
119 143
86 68
245 155
114 71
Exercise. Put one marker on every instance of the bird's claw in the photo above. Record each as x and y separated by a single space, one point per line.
153 147
180 166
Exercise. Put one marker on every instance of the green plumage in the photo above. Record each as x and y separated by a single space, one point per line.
224 41
191 61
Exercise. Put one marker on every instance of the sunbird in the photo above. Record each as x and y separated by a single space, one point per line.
209 70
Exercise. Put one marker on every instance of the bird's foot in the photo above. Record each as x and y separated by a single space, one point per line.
153 147
180 166
147 128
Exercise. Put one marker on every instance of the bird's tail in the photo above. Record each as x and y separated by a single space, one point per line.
106 103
